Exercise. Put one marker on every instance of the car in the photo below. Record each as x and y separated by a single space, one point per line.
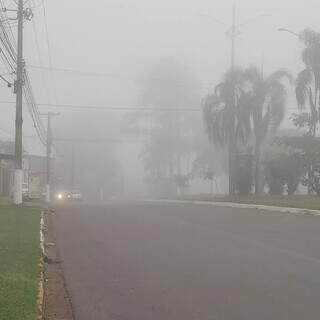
74 195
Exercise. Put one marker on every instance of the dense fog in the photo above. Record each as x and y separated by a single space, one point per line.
151 102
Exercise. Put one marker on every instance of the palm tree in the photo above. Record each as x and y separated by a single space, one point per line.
266 99
308 88
308 81
226 117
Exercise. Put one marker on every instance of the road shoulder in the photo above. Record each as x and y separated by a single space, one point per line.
242 206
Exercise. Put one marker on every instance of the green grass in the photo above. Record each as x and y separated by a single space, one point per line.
19 262
295 201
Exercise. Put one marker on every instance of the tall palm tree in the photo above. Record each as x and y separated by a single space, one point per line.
266 98
308 80
226 117
308 88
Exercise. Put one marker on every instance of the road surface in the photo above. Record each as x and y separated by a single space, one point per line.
152 261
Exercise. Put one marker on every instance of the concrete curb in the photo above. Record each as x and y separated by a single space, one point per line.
40 297
243 206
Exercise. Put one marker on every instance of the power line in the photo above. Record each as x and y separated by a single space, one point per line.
33 109
47 33
67 70
8 51
109 75
12 41
96 140
44 82
6 81
9 42
38 5
49 48
95 107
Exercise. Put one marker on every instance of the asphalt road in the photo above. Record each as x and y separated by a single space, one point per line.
144 261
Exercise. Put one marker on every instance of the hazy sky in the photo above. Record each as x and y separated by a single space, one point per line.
124 38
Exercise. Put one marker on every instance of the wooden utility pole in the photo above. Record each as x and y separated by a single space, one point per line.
49 115
18 174
232 138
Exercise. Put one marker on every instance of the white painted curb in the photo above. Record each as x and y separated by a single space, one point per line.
243 206
40 298
42 231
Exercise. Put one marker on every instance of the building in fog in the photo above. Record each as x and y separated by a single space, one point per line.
34 171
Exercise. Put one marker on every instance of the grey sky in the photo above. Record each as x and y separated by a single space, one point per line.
124 38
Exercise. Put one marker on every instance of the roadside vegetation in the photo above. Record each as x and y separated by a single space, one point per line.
243 137
244 115
19 262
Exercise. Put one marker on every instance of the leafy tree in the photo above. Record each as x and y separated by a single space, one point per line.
168 87
307 152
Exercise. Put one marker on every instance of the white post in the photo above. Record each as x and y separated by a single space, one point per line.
47 193
101 195
18 178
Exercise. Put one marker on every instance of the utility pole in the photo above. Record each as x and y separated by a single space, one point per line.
233 32
18 173
49 115
18 89
233 37
72 166
232 142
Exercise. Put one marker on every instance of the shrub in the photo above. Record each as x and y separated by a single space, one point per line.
283 172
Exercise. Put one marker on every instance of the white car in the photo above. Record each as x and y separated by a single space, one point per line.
75 195
69 196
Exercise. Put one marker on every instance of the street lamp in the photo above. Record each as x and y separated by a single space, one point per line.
311 38
289 31
233 28
233 31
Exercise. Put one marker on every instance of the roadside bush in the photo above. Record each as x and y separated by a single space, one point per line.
283 172
306 154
